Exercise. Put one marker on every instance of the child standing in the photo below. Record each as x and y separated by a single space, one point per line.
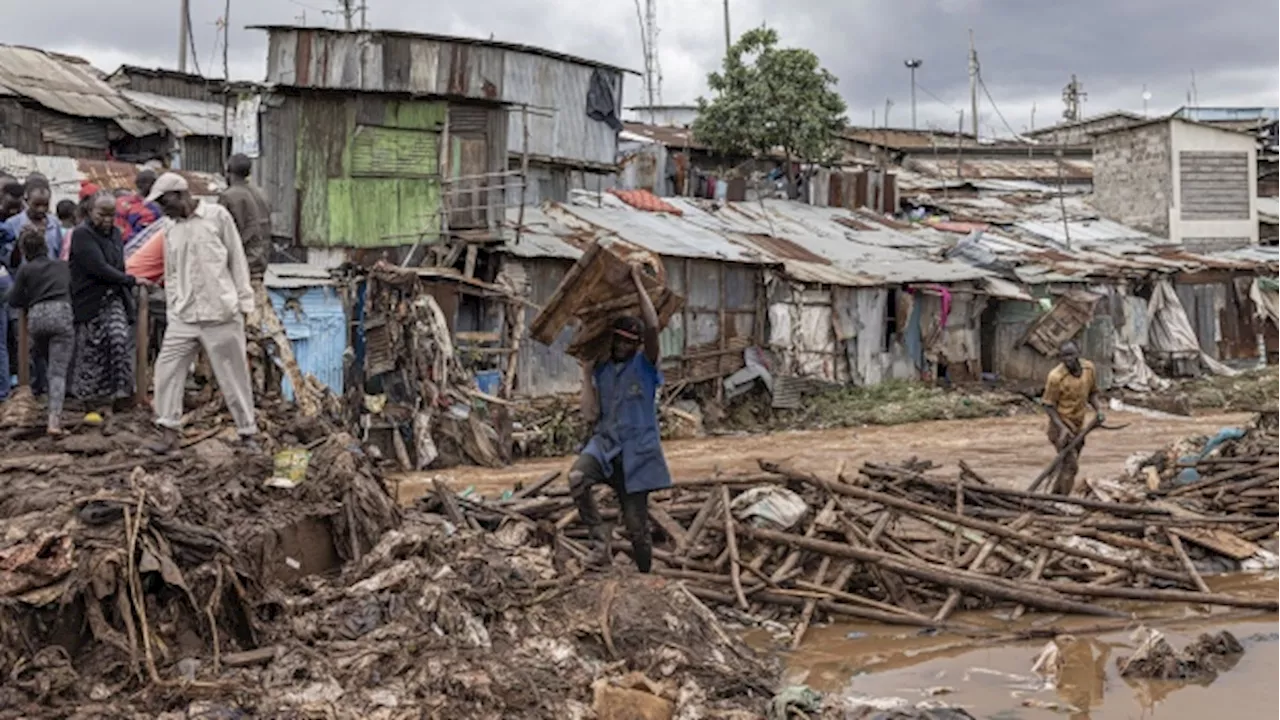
42 287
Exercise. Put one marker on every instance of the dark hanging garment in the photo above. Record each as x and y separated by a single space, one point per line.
600 104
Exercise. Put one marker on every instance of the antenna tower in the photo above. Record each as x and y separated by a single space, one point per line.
648 16
1073 96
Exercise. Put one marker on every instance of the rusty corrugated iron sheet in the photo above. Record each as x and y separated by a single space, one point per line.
113 175
68 85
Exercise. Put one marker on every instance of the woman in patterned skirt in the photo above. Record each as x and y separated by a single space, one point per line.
102 301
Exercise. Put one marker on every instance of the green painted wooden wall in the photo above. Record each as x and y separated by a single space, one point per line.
368 171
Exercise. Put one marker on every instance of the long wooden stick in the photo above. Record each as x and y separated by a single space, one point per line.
953 595
806 614
1076 442
1176 542
731 538
1042 559
1153 595
987 527
941 575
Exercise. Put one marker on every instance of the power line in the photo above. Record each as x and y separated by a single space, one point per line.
191 38
983 84
929 92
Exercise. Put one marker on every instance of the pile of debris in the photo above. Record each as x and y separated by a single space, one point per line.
904 545
215 583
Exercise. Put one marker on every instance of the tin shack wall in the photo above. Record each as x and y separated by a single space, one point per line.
347 170
542 370
555 86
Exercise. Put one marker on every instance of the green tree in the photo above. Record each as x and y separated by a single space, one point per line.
767 99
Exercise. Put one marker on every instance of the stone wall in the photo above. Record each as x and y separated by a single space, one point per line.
1133 177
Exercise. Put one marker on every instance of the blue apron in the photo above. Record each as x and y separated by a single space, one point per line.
628 424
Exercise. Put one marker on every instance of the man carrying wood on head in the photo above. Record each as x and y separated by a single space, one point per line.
619 396
1071 387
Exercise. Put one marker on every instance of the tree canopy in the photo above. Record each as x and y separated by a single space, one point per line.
768 98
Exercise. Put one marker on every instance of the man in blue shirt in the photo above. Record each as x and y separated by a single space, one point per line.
619 396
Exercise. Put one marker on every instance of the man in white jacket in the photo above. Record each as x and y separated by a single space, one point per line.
207 294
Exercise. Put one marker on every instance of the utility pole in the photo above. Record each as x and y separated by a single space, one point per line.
364 15
347 13
912 65
973 85
1033 117
728 37
184 32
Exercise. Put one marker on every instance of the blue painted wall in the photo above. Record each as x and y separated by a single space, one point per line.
315 323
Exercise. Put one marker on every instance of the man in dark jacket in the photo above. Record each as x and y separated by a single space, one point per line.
249 208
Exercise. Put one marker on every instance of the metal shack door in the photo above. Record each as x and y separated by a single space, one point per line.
316 324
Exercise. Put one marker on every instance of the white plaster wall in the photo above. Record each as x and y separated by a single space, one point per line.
1199 138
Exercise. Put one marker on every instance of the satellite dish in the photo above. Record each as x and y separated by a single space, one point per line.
1146 95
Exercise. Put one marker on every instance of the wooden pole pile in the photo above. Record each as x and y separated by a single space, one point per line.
904 544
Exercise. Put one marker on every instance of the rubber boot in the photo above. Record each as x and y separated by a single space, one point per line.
601 547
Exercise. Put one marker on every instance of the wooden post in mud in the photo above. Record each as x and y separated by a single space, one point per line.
141 346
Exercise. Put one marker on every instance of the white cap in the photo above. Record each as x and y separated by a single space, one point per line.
168 182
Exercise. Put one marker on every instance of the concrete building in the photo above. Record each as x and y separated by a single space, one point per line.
1190 182
681 116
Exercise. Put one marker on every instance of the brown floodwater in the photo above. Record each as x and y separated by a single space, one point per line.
989 679
993 679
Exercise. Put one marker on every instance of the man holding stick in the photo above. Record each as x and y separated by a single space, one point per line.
1070 388
619 396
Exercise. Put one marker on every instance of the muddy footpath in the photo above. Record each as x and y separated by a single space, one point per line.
855 578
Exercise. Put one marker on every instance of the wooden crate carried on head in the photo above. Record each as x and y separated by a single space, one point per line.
599 288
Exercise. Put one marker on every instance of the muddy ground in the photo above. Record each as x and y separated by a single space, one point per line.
1011 451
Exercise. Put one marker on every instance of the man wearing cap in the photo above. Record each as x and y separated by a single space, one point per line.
207 296
619 396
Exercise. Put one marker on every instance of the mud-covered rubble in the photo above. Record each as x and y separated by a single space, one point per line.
1200 660
133 586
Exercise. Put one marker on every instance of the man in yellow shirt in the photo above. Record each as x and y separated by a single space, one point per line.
1070 390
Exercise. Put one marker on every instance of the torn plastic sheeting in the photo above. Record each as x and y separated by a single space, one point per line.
1129 364
772 504
1170 330
1266 301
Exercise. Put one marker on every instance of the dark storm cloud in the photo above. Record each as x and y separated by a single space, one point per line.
1028 49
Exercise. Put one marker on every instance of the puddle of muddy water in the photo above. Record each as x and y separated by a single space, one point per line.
996 681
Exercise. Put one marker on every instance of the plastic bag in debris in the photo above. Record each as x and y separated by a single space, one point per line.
1190 475
290 468
792 698
772 504
862 707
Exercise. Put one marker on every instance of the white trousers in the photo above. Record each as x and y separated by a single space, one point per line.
224 344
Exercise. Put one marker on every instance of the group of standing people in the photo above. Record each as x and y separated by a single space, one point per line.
69 274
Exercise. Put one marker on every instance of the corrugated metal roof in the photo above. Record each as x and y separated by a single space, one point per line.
807 241
183 117
68 85
674 137
662 233
1003 168
1099 230
65 174
541 237
820 245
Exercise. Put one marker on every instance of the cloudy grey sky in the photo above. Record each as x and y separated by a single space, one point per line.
1028 48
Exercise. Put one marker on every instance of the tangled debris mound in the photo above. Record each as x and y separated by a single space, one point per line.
185 587
1155 658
